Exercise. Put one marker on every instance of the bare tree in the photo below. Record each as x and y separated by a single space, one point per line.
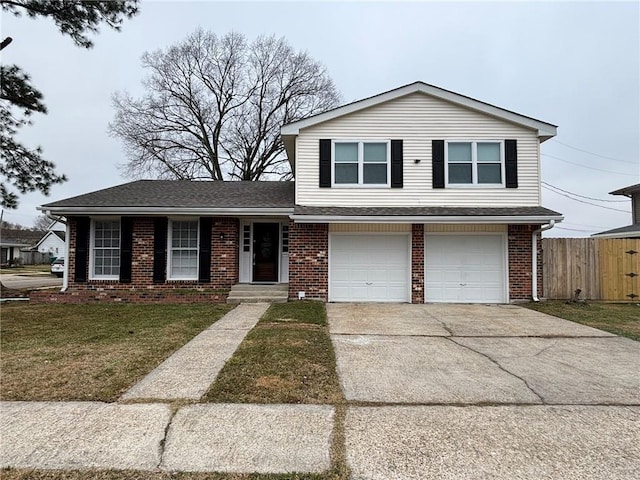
214 106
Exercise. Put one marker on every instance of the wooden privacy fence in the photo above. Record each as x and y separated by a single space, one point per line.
604 269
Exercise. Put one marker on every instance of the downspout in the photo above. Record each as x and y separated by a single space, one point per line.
534 259
65 276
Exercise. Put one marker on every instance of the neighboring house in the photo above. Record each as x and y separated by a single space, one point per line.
10 251
52 242
414 195
629 231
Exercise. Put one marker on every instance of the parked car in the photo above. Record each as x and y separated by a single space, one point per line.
57 267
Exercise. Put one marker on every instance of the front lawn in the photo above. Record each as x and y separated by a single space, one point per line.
619 318
287 358
90 352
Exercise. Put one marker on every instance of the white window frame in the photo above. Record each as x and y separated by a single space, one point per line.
92 246
361 162
170 249
474 165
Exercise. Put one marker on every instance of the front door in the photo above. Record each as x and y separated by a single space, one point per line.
265 252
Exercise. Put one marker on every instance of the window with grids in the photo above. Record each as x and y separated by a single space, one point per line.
106 249
361 163
475 163
183 250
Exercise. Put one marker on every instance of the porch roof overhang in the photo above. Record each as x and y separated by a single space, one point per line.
454 215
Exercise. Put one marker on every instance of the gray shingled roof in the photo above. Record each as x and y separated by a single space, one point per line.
426 211
630 230
627 190
186 194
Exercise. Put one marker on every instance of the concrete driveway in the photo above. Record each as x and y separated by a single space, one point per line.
484 391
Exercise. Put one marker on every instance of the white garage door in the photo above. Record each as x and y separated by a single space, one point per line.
368 268
465 268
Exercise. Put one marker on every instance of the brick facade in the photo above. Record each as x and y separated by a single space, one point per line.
520 259
224 271
308 266
309 260
417 263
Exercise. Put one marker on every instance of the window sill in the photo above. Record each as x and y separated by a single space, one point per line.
357 186
494 186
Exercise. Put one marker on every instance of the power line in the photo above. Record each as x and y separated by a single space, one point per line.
582 201
585 166
594 154
582 225
574 229
582 196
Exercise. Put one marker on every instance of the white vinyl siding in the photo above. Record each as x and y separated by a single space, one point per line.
417 119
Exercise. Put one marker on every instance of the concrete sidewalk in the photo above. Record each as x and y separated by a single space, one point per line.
205 437
188 373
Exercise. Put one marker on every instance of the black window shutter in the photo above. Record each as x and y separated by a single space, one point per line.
396 163
83 227
160 226
437 163
511 163
204 255
126 248
325 163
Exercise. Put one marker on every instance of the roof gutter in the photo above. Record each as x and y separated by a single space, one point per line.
534 259
147 211
511 219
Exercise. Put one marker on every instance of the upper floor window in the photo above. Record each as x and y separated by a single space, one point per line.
475 163
105 250
361 163
183 250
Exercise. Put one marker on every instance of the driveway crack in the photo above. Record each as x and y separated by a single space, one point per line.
163 442
497 364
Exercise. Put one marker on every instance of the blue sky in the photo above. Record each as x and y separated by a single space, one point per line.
575 64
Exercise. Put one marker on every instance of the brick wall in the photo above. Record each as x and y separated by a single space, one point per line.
309 260
520 262
224 271
225 260
417 263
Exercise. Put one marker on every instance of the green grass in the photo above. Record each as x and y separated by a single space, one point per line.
287 358
618 318
298 312
90 352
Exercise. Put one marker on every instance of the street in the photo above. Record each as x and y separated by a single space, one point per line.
20 282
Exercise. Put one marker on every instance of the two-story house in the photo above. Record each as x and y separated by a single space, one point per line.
415 195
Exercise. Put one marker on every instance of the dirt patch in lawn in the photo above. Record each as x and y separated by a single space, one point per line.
91 352
618 318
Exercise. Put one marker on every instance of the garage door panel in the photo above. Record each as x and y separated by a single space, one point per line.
465 268
369 268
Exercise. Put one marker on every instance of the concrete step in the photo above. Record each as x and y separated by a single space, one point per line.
247 287
257 299
258 293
